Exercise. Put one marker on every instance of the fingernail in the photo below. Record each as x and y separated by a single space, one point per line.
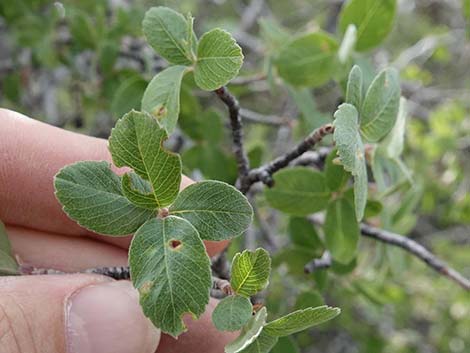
108 318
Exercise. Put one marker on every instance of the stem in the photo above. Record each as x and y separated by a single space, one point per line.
410 246
237 130
417 250
323 262
265 172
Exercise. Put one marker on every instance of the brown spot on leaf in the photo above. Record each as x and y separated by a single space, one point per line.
145 287
175 244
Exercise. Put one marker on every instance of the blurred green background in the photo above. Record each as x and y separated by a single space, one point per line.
80 65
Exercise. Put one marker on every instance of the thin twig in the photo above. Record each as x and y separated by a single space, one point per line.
417 250
254 117
323 262
237 130
410 246
265 172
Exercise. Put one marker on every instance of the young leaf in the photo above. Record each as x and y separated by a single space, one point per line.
171 270
232 313
309 60
250 272
8 265
91 194
217 210
336 176
351 153
219 58
168 32
394 141
300 320
298 191
380 108
373 19
249 332
341 231
262 344
137 142
162 96
354 87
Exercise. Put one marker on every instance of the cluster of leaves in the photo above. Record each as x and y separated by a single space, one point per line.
169 265
249 275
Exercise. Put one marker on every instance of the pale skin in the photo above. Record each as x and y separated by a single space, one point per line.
32 308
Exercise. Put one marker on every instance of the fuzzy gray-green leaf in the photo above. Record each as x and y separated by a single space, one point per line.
217 210
171 270
162 96
91 195
167 31
219 58
354 87
250 272
137 142
249 333
380 107
341 231
351 153
298 191
232 313
262 344
300 320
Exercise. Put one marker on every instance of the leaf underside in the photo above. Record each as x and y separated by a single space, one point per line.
219 58
217 210
137 142
171 270
249 333
91 194
232 313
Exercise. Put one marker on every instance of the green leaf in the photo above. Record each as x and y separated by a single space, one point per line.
128 95
303 233
249 332
394 142
336 176
310 298
309 60
250 272
351 153
354 87
162 96
232 313
300 320
8 264
298 191
138 191
262 344
137 142
167 31
373 19
219 58
341 231
286 345
91 194
171 270
380 108
217 210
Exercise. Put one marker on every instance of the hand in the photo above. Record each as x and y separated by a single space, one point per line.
71 313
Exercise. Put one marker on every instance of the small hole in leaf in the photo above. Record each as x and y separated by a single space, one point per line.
175 244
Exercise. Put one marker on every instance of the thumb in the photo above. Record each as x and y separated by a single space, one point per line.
72 314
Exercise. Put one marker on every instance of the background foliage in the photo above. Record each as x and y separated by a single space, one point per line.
81 65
